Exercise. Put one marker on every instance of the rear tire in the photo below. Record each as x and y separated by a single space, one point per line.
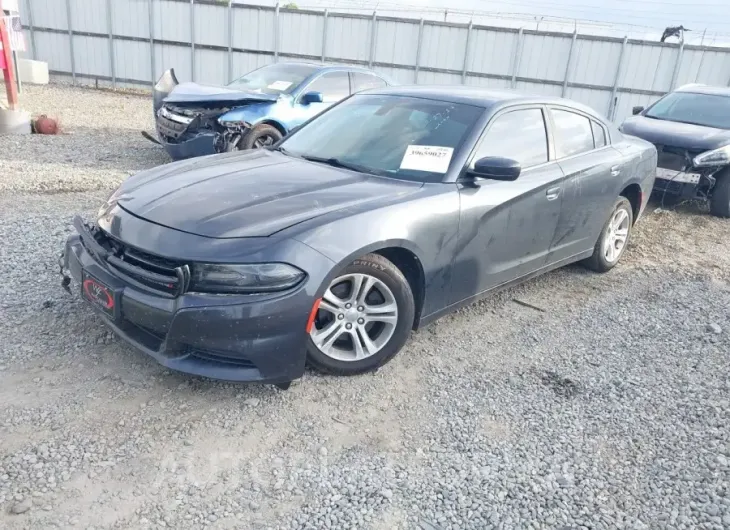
261 136
720 198
614 237
364 319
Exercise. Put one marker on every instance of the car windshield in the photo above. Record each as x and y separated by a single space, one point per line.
699 109
402 137
274 78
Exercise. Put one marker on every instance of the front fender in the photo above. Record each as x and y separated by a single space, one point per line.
427 225
252 115
343 260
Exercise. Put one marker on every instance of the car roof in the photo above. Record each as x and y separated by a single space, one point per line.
480 97
697 88
329 67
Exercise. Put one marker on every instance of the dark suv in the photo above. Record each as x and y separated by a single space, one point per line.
690 128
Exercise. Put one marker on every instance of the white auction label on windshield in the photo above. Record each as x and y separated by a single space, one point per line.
427 158
280 85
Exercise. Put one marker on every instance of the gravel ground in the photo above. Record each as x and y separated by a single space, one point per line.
604 406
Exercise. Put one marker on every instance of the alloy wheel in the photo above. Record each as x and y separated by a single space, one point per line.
357 317
617 235
263 141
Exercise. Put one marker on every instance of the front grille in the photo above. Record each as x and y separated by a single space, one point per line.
172 124
141 269
171 129
151 271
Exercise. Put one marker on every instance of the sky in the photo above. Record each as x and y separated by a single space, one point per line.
639 18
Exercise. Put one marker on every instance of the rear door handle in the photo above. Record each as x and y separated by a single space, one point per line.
615 171
552 193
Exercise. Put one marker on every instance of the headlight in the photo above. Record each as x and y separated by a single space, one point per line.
716 157
250 278
234 123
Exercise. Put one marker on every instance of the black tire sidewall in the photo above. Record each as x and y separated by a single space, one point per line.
384 270
720 199
600 263
247 142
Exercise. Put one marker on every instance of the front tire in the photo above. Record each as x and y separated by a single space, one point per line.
614 237
261 136
720 199
364 319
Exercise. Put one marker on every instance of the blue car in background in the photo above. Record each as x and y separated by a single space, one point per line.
253 111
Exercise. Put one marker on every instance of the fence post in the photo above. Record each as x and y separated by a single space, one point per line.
418 51
516 57
152 41
192 40
677 65
71 42
30 29
612 104
373 36
230 40
110 27
276 34
699 68
567 66
324 34
466 53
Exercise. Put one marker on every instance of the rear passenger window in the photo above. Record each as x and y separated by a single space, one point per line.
362 81
519 135
573 133
599 135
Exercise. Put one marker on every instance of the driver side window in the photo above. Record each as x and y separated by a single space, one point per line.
519 135
334 86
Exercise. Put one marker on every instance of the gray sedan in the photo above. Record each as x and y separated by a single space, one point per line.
387 211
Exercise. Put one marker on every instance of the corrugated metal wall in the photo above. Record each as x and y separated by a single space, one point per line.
131 42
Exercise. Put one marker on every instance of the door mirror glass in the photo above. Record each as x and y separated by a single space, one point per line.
312 97
496 168
637 110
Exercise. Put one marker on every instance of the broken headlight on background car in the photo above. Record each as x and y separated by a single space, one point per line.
244 279
716 157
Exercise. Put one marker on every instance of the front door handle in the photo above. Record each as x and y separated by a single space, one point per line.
615 171
552 193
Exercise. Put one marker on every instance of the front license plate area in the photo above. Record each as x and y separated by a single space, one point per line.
102 297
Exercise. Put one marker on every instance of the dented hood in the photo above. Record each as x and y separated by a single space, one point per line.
248 194
196 93
685 135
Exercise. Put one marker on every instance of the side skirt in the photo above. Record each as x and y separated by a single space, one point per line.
426 320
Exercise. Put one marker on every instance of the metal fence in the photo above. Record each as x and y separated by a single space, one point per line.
131 42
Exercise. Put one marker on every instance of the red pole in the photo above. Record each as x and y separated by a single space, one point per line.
8 71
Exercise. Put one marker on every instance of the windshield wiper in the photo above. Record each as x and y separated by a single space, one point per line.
336 162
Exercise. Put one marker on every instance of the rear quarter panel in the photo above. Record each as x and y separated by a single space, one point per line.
640 161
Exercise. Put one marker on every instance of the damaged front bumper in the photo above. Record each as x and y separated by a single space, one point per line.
244 338
200 145
677 176
684 184
182 137
197 134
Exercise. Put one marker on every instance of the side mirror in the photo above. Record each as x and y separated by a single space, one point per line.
496 168
637 110
312 97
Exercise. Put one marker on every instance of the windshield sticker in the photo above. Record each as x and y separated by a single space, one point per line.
427 158
279 85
